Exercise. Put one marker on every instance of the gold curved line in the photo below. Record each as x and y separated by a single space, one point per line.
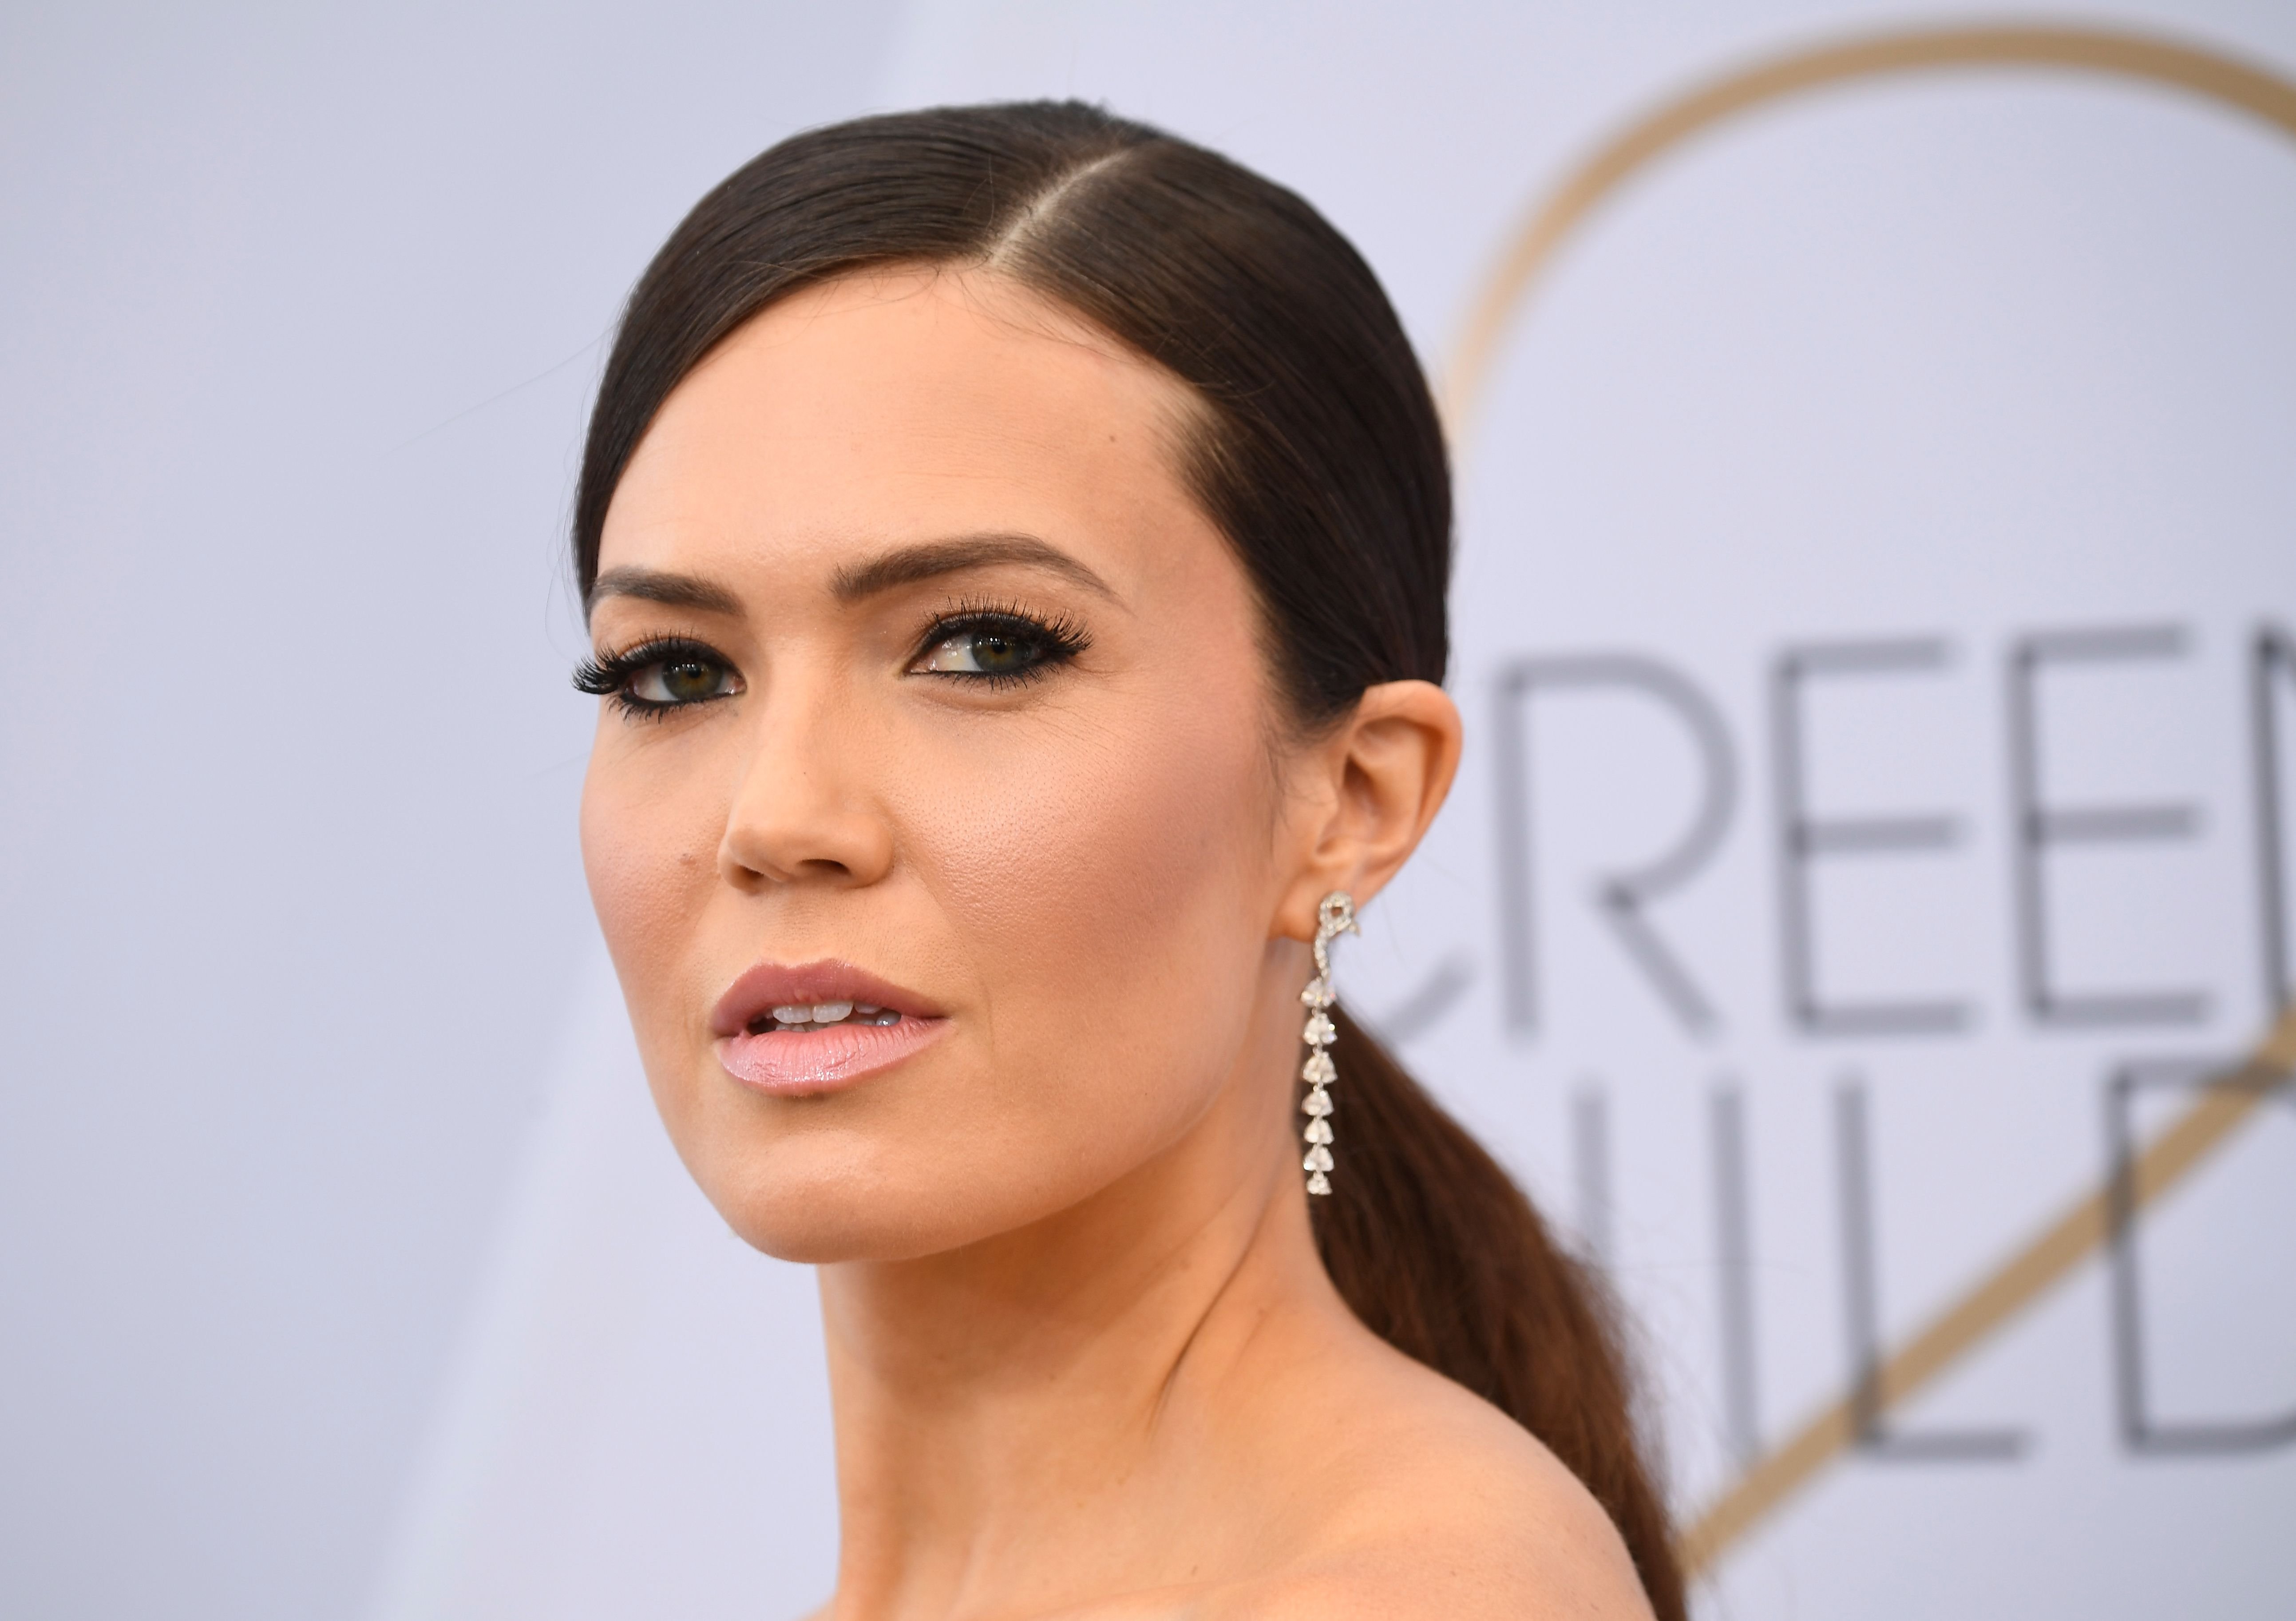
2211 74
2051 1255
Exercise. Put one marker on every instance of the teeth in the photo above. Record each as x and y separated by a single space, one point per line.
820 1015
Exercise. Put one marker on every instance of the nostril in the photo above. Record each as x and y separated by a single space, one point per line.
788 828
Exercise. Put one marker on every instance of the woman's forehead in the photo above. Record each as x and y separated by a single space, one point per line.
929 370
907 404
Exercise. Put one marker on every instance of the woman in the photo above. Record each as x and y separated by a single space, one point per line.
1015 546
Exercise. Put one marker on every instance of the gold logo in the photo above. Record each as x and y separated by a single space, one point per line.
2228 1101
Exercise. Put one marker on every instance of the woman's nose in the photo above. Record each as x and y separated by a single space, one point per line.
802 811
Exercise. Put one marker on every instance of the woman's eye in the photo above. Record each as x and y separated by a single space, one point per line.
984 652
680 681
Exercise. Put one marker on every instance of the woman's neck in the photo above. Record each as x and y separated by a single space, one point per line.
1079 1408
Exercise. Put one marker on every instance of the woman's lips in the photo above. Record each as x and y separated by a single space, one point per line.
800 1063
771 985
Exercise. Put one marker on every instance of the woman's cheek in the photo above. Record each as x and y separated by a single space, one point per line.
1103 886
649 864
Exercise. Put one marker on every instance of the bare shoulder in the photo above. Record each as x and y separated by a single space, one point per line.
1442 1511
1441 1506
1419 1501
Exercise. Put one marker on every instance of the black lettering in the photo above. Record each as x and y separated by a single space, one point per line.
2039 825
2276 655
1590 1171
2140 1430
1861 1298
1734 1232
1802 838
1623 896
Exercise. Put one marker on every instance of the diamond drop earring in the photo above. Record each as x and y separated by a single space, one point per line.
1335 917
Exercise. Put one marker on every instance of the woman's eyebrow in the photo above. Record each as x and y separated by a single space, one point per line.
906 565
659 586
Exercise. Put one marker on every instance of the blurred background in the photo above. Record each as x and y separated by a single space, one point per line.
1877 625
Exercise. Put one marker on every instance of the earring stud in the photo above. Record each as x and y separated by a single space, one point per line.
1335 917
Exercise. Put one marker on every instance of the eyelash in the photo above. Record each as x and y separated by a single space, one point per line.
1061 639
610 675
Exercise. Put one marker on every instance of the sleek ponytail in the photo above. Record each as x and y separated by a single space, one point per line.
1434 1247
1318 455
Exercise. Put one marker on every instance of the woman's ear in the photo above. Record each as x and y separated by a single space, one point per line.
1375 784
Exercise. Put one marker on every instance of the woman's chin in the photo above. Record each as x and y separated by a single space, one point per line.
824 1238
821 1214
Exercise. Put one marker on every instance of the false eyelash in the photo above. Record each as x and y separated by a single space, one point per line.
1062 638
609 673
604 675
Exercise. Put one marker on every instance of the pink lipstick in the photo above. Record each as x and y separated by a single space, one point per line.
797 1031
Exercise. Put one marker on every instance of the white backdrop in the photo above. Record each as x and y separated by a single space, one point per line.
346 1270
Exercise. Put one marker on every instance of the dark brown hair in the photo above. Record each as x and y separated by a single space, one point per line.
1319 456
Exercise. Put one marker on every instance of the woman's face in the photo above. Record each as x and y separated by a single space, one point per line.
938 720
